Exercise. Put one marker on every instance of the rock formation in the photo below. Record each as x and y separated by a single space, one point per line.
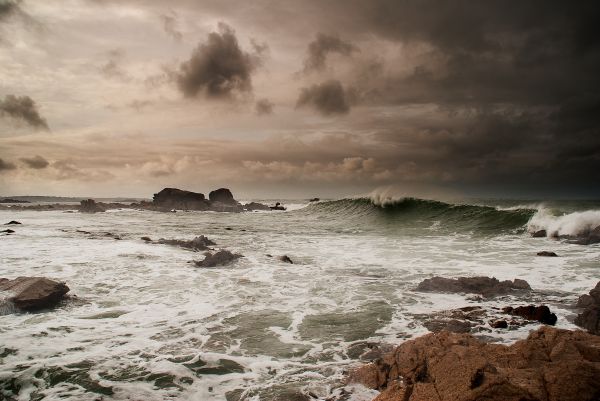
32 293
547 253
486 286
540 313
222 195
173 198
90 206
200 243
252 206
551 364
589 318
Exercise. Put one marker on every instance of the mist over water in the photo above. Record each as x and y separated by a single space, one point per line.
149 325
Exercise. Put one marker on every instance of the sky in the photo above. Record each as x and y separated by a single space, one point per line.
281 98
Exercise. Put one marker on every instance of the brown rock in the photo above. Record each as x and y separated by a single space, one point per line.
531 312
220 258
550 365
499 324
547 253
286 259
539 234
33 293
589 319
486 286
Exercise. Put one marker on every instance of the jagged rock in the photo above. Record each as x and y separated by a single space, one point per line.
222 195
547 253
486 286
539 234
90 206
540 313
286 259
252 206
12 222
200 243
32 293
173 198
220 258
551 364
589 318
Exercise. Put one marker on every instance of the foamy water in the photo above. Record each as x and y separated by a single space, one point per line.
149 325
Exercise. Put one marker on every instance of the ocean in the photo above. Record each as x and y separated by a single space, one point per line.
147 324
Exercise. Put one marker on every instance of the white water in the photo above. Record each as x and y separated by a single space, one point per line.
142 309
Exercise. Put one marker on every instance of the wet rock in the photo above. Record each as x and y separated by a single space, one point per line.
499 324
252 206
539 234
12 222
540 313
486 286
33 293
90 206
220 258
547 253
286 259
453 325
7 231
147 239
222 195
551 364
173 198
589 318
314 200
200 243
585 238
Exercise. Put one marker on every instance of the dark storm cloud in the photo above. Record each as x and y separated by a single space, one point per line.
327 98
263 107
4 165
7 7
37 162
22 108
218 67
322 46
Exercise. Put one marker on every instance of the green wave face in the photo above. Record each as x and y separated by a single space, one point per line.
410 214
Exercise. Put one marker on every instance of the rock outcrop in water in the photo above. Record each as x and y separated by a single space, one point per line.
222 195
90 206
252 206
220 258
547 254
220 200
12 222
589 318
486 286
587 237
32 293
200 243
540 313
551 364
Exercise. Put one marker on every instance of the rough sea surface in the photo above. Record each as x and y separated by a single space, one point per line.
146 324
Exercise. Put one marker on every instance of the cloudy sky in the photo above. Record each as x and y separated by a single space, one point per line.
282 98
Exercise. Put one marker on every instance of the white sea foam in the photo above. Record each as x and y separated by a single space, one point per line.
576 223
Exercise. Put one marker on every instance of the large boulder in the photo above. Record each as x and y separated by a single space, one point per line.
589 318
32 293
550 365
531 312
220 258
173 198
222 195
486 286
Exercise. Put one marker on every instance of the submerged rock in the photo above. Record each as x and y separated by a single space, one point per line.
286 259
551 364
589 318
252 206
540 313
12 222
547 253
220 258
90 206
7 231
32 293
486 286
200 243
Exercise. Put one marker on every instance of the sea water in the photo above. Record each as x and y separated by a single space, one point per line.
145 323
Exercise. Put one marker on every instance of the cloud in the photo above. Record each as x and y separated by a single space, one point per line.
113 68
327 98
37 162
323 45
170 26
217 67
4 165
264 106
22 108
7 8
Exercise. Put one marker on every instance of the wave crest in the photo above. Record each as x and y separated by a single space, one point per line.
571 224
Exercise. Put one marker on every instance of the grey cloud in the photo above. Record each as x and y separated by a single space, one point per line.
170 26
22 108
217 67
264 106
5 165
37 162
322 46
327 98
7 7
